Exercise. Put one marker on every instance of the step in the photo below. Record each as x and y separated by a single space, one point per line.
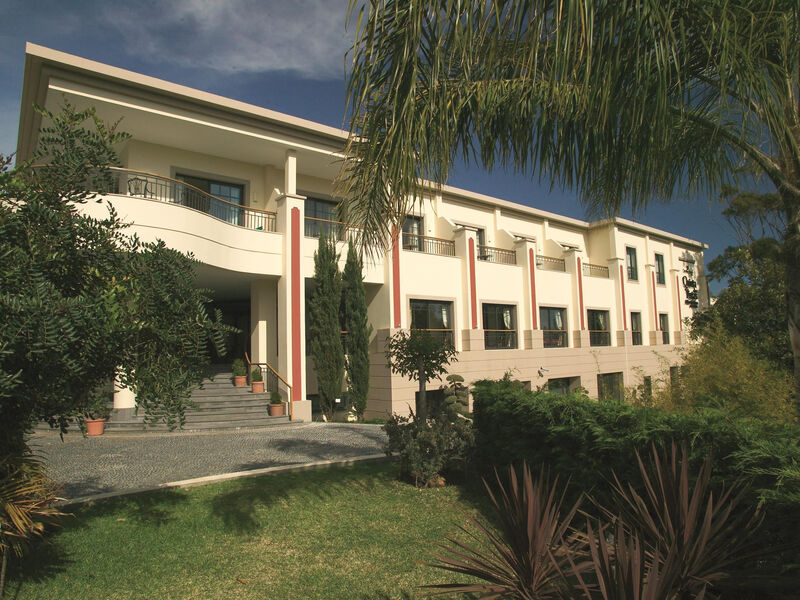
226 391
213 404
235 415
202 426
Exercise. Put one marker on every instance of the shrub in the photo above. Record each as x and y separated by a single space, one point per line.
255 374
238 369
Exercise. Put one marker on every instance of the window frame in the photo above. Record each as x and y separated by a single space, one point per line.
563 332
447 334
598 337
414 241
661 274
632 263
617 387
635 331
663 319
499 338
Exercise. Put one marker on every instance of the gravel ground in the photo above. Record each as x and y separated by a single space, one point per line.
123 461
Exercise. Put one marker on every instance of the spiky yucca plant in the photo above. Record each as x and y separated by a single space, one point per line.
27 497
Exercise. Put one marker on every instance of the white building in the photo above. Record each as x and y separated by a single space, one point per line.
247 191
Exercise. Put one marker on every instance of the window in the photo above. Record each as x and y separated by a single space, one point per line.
435 316
231 193
674 376
480 236
499 326
563 385
661 277
647 388
633 266
320 217
412 233
663 325
609 386
553 322
599 334
636 328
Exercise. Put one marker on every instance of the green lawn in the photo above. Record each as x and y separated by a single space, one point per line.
353 532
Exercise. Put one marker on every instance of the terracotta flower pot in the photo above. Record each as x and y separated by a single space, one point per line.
240 381
276 410
258 387
95 426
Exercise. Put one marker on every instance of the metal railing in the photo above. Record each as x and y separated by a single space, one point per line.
340 232
140 184
555 338
599 338
272 380
497 255
548 263
499 339
590 270
428 245
636 338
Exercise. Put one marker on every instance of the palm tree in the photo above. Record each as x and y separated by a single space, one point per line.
627 102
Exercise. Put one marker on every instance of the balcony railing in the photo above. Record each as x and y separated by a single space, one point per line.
590 270
497 255
499 339
428 245
172 191
548 263
599 338
555 338
340 232
444 336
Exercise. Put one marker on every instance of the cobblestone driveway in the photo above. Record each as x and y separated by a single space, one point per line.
115 461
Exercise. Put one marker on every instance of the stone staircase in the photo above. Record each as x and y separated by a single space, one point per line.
219 405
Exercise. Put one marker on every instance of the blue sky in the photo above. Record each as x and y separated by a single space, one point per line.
284 55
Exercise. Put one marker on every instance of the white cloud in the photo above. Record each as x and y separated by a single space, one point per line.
304 36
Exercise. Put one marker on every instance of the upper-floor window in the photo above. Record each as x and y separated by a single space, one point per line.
636 328
661 276
633 266
412 233
435 316
320 217
599 332
231 193
480 237
663 325
499 326
553 322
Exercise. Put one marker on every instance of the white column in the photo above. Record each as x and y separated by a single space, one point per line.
124 398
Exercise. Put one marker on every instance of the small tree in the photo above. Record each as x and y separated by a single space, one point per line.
323 323
420 356
354 321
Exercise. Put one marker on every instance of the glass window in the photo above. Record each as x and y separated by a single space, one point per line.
661 276
435 316
499 326
563 385
636 328
231 193
609 386
633 265
320 216
412 233
599 333
553 322
663 325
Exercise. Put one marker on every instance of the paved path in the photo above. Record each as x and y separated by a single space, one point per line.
116 462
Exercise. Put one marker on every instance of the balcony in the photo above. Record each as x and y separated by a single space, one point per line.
497 255
428 245
548 263
340 232
140 184
590 270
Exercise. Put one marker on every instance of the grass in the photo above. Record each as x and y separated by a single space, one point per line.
353 532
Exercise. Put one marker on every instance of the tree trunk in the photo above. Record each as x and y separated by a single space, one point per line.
3 572
791 260
422 403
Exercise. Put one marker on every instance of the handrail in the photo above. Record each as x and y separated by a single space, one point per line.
278 375
497 255
549 263
428 244
591 270
429 237
340 232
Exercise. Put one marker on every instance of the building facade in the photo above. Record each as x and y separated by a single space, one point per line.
247 191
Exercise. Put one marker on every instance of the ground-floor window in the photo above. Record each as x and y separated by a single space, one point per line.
434 316
499 326
553 322
599 332
563 385
610 386
663 325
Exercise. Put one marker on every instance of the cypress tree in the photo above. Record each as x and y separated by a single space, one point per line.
354 320
325 342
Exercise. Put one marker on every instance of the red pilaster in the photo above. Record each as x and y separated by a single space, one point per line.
297 366
580 292
622 289
655 302
532 266
678 296
396 278
472 294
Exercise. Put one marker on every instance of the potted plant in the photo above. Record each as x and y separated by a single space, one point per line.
96 412
256 380
275 405
239 373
